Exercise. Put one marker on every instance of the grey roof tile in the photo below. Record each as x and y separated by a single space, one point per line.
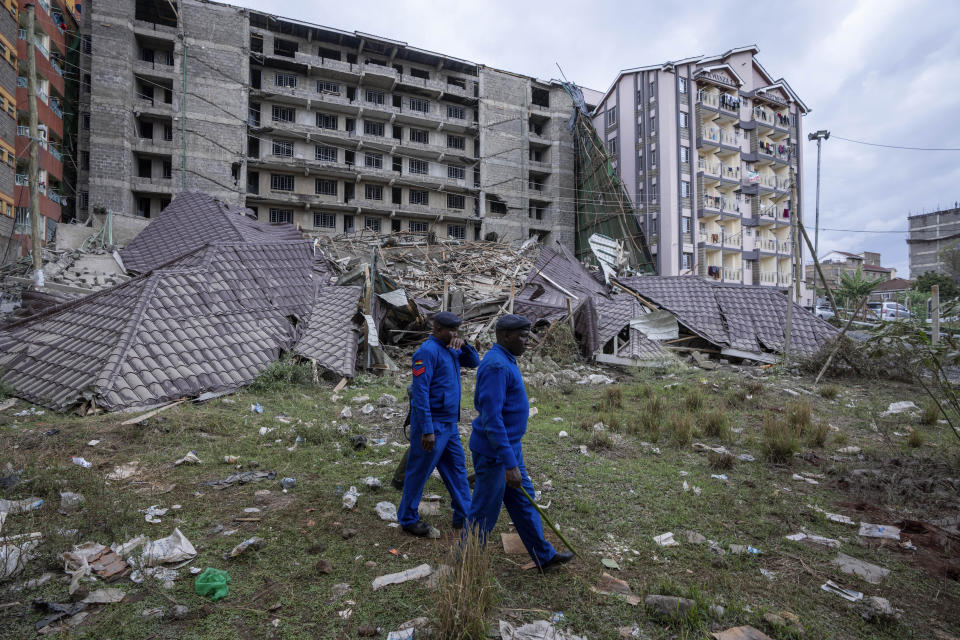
331 333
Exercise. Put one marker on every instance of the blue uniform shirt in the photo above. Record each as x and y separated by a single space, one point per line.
502 402
435 396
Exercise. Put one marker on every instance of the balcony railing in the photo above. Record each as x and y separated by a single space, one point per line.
728 205
55 153
56 197
731 172
767 244
770 277
56 68
732 240
762 115
729 139
783 183
710 168
710 133
735 275
708 98
783 278
55 107
785 247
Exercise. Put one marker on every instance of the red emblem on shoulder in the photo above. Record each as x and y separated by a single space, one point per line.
419 370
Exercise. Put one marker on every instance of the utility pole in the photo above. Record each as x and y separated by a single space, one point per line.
819 136
36 225
792 294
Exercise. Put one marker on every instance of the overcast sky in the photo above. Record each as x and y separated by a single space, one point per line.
875 70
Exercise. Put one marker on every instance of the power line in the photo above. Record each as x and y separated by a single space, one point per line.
893 146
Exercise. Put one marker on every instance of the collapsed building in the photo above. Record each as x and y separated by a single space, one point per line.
211 298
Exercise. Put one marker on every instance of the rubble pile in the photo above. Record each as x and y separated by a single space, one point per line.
76 270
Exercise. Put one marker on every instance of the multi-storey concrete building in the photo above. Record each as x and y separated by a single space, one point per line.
53 24
930 234
704 147
8 127
835 263
334 131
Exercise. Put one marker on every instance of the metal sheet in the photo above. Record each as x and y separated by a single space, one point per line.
657 325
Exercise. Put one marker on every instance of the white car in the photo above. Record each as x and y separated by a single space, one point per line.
889 310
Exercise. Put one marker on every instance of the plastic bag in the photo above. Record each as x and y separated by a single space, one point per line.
212 583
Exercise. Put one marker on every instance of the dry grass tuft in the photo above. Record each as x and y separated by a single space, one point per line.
829 391
754 386
721 461
915 439
799 415
817 435
680 427
715 424
736 397
612 398
465 595
929 413
780 439
695 400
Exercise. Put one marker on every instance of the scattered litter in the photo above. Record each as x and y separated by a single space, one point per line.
93 443
124 471
534 411
153 513
128 547
669 606
296 443
173 548
849 594
104 596
888 532
51 432
595 378
190 458
14 507
367 409
558 419
583 450
244 477
421 571
432 532
877 609
849 450
769 575
387 511
804 479
32 411
610 586
57 612
284 419
81 462
695 538
833 517
346 412
899 407
231 459
666 540
14 557
703 448
741 633
288 483
350 498
740 549
91 557
563 434
372 483
870 572
405 634
212 583
265 430
906 544
512 544
428 508
537 630
6 404
609 563
746 457
720 476
256 408
152 612
814 539
251 510
250 543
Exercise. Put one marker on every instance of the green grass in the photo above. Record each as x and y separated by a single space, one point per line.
610 503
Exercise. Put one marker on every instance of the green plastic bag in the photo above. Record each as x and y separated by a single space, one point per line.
213 583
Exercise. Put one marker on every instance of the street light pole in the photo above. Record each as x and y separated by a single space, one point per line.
819 136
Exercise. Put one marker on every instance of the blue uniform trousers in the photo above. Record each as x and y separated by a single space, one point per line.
490 491
449 459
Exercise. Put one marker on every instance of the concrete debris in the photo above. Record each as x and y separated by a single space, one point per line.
104 596
741 633
870 572
812 539
416 573
669 606
124 471
877 609
386 511
899 407
666 540
610 586
537 630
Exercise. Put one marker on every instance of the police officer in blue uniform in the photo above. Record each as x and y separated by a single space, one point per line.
495 443
434 412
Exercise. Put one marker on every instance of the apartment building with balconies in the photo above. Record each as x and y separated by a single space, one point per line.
54 23
8 128
331 130
705 147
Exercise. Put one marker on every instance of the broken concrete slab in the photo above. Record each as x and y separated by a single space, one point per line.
870 572
512 544
610 586
669 606
416 573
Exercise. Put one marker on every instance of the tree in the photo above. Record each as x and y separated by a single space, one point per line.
948 286
949 257
854 288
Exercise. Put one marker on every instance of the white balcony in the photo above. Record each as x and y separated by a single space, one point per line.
768 277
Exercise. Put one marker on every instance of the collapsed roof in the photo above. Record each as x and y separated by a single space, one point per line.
211 321
741 320
191 221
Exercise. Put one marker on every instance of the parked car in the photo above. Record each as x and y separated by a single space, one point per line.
889 310
824 311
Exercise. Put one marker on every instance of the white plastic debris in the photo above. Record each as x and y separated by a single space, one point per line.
81 462
173 548
718 476
70 502
128 547
76 562
797 476
849 594
190 458
350 498
124 471
346 412
833 517
900 407
387 511
256 408
93 443
888 532
769 575
563 434
533 411
849 451
367 409
558 419
265 430
372 483
595 378
401 634
250 543
538 630
814 539
104 596
14 507
421 571
153 513
14 557
666 540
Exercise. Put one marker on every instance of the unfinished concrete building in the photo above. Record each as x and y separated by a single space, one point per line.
163 104
931 235
334 131
704 146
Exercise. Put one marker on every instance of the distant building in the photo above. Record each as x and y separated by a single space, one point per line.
929 235
892 289
837 262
